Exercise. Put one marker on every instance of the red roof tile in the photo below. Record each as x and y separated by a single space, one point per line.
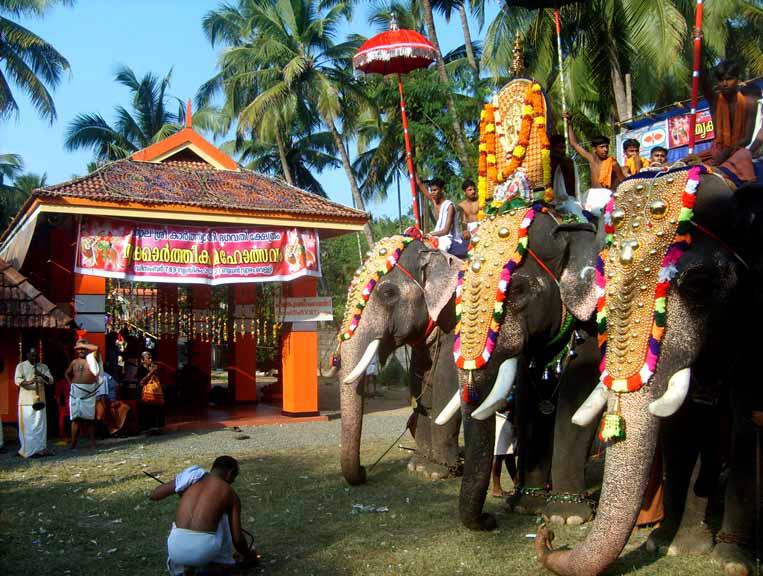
24 306
183 183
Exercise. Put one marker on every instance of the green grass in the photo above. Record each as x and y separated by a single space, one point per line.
90 516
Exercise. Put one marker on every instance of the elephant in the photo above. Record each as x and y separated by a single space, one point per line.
705 288
560 259
412 304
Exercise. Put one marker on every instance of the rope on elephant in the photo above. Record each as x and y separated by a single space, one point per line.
424 388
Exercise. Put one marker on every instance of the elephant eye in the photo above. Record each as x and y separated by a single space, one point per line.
388 293
699 287
519 291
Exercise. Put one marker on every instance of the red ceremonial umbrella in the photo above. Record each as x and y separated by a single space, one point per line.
397 52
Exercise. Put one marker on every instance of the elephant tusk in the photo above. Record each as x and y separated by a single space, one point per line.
450 410
592 406
500 392
674 396
331 373
365 360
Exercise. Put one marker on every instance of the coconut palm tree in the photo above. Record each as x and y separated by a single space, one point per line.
27 60
281 53
151 119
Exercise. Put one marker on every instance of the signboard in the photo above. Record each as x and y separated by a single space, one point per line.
678 129
147 252
316 309
648 137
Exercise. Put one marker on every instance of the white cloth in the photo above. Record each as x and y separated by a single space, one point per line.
25 371
33 431
596 199
505 443
451 242
373 367
187 477
107 386
199 549
82 400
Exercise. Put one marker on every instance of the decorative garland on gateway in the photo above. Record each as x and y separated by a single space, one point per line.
497 312
382 258
613 426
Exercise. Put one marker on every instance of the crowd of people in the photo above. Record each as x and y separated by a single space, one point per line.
85 400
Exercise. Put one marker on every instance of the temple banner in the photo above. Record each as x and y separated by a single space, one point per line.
194 255
678 129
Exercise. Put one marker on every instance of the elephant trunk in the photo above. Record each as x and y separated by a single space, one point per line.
479 437
626 473
351 398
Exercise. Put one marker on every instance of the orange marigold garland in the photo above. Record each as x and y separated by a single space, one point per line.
492 130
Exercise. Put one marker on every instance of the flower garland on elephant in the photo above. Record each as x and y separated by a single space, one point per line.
613 425
492 130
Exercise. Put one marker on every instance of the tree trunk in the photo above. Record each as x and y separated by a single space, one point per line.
618 89
282 156
467 38
359 204
457 132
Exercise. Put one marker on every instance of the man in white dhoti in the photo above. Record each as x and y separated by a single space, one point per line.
31 378
447 230
82 375
207 528
503 452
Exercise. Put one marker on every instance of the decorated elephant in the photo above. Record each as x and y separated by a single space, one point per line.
403 294
525 285
670 291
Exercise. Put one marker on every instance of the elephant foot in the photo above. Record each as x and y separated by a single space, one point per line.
430 470
688 541
570 509
484 522
736 561
528 501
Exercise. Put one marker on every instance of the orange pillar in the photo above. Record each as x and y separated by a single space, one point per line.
242 370
299 352
90 308
9 355
201 352
167 347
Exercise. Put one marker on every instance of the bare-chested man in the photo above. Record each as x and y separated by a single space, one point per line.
469 207
207 524
82 376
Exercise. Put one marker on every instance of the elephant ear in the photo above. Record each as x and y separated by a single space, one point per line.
578 280
440 273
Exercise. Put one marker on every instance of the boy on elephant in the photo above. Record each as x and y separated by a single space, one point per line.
447 229
734 111
606 173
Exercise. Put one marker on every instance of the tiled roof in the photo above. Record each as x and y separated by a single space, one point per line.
185 184
24 306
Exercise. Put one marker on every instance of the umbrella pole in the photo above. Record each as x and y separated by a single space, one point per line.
408 152
558 23
695 75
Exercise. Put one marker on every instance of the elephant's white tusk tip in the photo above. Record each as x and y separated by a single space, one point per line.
450 410
669 403
591 408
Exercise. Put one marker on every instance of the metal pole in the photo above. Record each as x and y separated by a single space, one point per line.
558 23
408 152
695 75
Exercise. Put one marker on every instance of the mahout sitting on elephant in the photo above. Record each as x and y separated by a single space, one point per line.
403 294
672 295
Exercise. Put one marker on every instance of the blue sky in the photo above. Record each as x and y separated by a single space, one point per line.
96 36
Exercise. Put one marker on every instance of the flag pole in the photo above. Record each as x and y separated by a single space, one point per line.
695 74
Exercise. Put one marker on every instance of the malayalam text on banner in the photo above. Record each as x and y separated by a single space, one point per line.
194 255
309 309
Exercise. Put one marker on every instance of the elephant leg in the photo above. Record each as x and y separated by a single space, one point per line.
420 374
479 436
736 540
572 443
445 450
534 447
